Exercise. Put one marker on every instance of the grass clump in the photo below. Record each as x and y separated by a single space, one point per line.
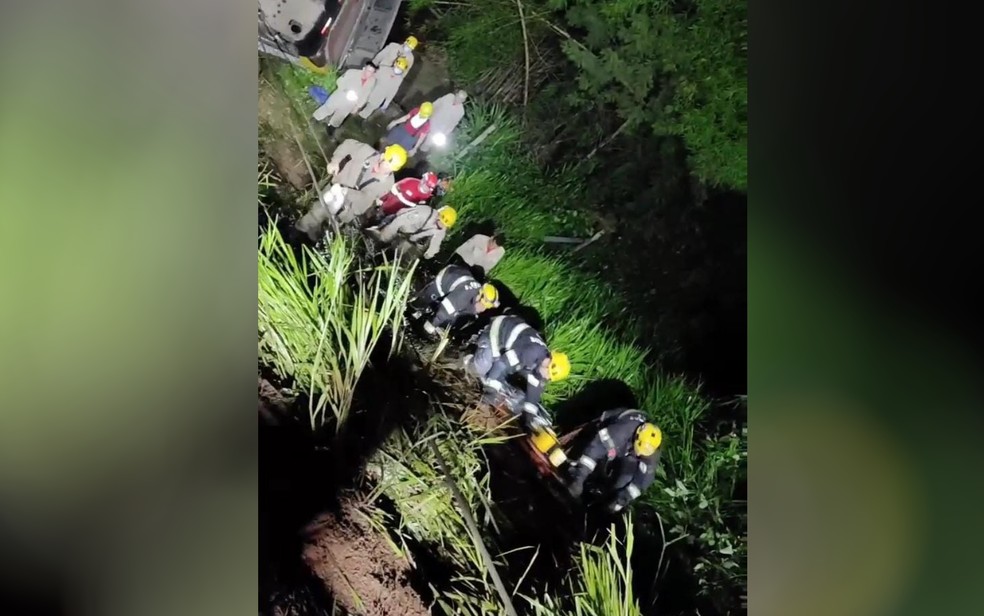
601 584
321 316
295 81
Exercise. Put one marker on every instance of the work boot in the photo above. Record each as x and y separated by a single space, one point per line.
578 474
576 488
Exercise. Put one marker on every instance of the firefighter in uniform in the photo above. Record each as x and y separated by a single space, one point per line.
453 293
509 346
624 452
360 176
411 192
417 224
388 82
351 93
410 130
388 55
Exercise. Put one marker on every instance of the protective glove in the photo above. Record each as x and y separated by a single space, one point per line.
535 417
619 502
490 396
535 422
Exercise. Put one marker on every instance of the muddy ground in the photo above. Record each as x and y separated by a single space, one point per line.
364 572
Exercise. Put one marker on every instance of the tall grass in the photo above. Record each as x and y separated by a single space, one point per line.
601 584
407 472
321 316
496 179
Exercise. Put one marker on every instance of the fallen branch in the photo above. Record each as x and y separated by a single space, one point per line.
476 141
473 529
606 141
593 238
553 239
526 51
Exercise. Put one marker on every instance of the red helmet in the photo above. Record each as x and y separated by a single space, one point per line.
430 180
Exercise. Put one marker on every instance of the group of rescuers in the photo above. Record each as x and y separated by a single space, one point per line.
623 454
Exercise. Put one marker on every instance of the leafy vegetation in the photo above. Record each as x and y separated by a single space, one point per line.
321 316
632 67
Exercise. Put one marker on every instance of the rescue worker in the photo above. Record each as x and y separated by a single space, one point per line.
448 112
509 346
416 224
388 82
388 55
411 192
354 88
360 175
481 251
453 293
625 451
411 129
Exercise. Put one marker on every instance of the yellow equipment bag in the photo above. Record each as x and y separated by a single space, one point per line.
545 442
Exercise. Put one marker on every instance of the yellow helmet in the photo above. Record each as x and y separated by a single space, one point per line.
447 215
648 439
560 366
489 296
426 109
411 42
401 63
396 156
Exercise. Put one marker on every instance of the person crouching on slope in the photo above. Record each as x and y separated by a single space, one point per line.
411 192
509 346
624 453
454 293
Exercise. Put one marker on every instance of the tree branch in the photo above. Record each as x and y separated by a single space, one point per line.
526 50
607 140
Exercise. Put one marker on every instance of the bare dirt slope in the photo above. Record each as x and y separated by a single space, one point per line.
363 573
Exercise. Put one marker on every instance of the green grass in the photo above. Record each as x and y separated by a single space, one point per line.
497 178
586 319
295 81
601 584
321 316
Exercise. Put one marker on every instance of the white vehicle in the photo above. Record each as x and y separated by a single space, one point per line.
319 33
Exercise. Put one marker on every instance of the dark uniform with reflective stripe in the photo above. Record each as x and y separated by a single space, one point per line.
454 290
613 449
510 346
